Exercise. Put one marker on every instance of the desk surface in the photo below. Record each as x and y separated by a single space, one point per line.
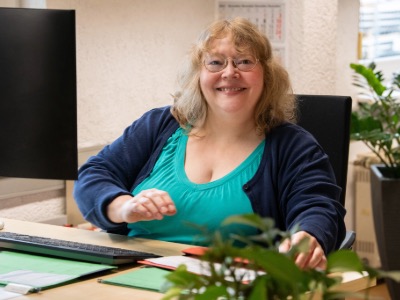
91 289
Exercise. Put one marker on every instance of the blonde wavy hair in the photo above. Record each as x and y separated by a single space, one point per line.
277 102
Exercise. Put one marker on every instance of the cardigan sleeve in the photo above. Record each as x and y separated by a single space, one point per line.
309 194
116 168
296 185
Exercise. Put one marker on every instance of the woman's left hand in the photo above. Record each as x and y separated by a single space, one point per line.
313 258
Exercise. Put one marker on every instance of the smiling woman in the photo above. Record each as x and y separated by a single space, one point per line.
226 146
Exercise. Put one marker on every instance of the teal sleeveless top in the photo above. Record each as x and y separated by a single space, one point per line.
205 205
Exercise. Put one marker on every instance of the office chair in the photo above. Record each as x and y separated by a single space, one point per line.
327 118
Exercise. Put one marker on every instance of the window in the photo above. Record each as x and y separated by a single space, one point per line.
380 29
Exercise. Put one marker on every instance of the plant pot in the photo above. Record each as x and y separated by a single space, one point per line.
385 196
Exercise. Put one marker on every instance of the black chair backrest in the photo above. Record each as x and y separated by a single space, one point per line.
327 118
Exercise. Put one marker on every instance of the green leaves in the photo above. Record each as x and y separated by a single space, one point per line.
377 120
269 234
374 80
260 289
344 261
278 277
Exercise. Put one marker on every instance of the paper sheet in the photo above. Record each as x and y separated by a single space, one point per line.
197 266
7 295
35 279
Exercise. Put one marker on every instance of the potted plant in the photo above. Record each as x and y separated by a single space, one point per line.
377 124
275 275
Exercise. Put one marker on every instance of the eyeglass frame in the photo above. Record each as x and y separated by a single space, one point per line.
226 59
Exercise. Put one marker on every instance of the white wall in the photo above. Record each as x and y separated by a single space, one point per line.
128 51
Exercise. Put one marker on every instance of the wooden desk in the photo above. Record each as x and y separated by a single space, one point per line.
91 289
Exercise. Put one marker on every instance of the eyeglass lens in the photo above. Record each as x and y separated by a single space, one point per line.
216 63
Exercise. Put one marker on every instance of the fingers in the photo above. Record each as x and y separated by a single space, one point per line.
150 204
155 203
285 246
314 257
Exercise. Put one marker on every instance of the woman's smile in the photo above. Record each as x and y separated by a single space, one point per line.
230 89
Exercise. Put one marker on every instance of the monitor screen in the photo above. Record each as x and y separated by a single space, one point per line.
38 112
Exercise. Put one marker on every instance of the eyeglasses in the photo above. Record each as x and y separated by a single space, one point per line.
216 63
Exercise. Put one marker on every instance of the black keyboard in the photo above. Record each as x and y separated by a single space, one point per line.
70 250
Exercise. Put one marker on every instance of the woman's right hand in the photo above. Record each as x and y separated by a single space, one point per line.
148 205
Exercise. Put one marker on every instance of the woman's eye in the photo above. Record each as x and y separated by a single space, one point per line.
244 61
216 62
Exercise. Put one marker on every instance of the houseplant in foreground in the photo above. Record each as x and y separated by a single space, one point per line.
377 124
277 276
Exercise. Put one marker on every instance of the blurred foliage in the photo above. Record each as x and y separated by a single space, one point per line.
276 274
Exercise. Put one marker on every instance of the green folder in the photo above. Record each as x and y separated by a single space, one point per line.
41 272
148 278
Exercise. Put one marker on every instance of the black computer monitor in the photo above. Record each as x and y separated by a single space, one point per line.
38 111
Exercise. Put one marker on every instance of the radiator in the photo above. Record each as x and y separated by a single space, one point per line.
365 244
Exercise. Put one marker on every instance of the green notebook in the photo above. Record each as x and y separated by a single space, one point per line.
148 278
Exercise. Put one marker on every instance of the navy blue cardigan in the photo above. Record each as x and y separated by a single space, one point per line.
294 183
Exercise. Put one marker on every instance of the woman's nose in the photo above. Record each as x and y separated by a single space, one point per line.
230 69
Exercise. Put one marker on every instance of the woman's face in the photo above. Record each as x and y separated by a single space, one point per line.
231 91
